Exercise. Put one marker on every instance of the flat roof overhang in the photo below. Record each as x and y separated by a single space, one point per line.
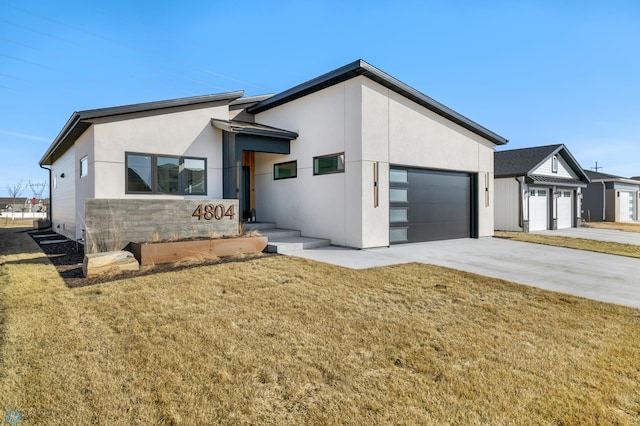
256 129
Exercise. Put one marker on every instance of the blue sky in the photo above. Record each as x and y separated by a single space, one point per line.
535 72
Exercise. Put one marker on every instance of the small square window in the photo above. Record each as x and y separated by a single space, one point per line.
285 170
327 164
398 195
84 166
398 235
398 176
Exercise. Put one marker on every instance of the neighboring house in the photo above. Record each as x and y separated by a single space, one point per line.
610 198
537 188
23 205
354 156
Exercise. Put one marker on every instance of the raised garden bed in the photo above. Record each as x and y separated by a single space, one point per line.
173 251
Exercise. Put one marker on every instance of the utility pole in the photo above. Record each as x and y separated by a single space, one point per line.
596 168
38 189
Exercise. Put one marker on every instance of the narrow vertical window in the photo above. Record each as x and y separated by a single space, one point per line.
168 173
554 164
139 173
194 176
84 166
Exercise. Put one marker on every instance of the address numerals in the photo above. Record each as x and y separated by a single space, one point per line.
214 211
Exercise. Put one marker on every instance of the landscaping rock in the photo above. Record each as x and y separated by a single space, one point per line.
96 264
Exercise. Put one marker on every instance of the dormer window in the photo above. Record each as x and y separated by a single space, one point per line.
554 164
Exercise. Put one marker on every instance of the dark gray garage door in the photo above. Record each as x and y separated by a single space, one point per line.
429 205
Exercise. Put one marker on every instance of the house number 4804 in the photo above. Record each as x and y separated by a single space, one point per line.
214 211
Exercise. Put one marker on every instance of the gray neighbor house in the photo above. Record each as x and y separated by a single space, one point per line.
610 198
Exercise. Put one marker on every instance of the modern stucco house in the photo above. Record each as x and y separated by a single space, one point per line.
354 156
610 198
537 188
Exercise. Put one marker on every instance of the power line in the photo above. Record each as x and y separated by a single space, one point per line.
128 45
74 43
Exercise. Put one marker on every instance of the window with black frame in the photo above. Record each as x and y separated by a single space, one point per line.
165 174
286 170
327 164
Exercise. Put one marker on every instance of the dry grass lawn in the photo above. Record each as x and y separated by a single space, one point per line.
630 250
281 340
620 226
7 222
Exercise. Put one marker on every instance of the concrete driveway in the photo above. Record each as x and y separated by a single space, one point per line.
596 276
611 235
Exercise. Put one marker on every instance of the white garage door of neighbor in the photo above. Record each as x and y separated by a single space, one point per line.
565 209
538 209
627 206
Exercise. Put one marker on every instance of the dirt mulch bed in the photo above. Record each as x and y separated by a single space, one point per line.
68 257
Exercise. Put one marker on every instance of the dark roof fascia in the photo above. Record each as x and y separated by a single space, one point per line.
605 177
361 67
246 128
76 125
152 106
548 180
250 100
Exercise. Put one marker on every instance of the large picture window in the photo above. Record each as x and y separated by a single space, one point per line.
285 170
164 174
326 164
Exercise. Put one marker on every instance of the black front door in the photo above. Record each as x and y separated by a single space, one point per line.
245 193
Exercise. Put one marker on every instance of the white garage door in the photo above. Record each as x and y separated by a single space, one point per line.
565 209
538 209
627 206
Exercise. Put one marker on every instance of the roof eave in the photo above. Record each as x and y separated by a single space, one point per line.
361 67
256 129
76 124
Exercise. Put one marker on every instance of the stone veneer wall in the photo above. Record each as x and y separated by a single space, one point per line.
111 224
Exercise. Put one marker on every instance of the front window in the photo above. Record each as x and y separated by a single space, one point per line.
168 170
194 173
139 176
326 164
285 170
164 174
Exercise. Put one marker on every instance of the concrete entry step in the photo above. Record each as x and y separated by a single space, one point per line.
292 244
258 226
284 241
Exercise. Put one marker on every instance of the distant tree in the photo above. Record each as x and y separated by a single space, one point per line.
15 191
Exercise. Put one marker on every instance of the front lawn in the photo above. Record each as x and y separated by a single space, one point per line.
630 250
619 226
283 340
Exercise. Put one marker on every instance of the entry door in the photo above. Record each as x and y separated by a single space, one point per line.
245 192
565 209
538 209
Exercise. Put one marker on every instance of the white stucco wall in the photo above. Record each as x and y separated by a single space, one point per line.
179 132
325 206
417 137
371 124
63 207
